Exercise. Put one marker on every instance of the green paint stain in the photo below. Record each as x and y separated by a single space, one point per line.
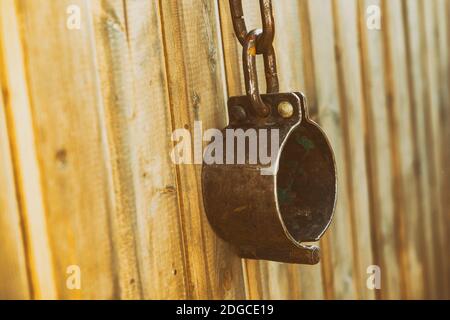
283 196
305 143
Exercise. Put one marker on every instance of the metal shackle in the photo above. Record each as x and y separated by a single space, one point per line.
269 216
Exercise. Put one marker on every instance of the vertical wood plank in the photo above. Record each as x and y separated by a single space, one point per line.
429 32
418 88
351 99
195 71
442 18
379 146
340 258
116 110
25 153
445 17
136 109
13 269
405 188
71 141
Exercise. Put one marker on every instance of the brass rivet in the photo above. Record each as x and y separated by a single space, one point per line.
285 109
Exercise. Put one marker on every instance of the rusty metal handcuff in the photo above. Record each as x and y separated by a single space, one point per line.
270 216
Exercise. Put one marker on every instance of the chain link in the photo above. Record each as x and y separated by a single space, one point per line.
265 40
259 41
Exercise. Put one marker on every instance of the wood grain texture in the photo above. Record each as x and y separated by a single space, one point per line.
445 23
24 149
355 128
442 19
434 129
13 269
117 111
417 88
195 72
379 146
136 109
401 130
70 146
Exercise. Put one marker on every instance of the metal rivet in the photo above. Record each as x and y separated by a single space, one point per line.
238 113
285 109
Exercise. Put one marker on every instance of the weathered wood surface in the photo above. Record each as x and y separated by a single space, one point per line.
86 118
378 149
13 270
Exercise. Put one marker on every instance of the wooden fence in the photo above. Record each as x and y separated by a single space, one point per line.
86 116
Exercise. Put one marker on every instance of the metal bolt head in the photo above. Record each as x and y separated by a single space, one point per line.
285 109
238 113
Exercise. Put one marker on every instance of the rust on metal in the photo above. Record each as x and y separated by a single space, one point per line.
271 216
251 76
264 42
268 217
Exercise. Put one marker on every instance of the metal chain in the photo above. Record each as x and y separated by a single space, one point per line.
264 42
259 41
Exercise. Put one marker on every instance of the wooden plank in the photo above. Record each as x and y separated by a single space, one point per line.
70 144
443 34
133 79
116 111
13 269
379 146
405 188
340 257
447 126
309 81
196 80
354 122
24 149
429 32
417 88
